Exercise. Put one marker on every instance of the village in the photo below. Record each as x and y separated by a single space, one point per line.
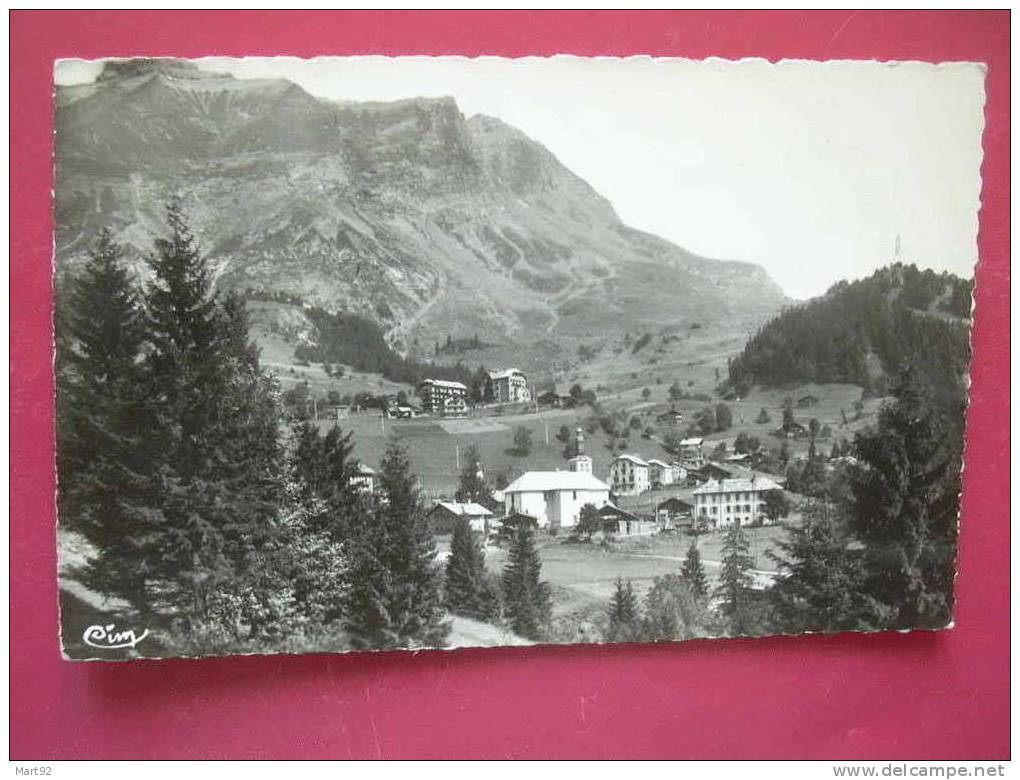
600 514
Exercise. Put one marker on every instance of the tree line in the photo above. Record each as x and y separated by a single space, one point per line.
344 337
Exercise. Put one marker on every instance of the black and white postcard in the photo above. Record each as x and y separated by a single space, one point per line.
376 353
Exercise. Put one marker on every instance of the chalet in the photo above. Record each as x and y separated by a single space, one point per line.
792 430
510 523
673 512
726 470
445 515
620 521
662 474
670 417
363 478
506 386
727 502
400 411
629 475
807 400
554 498
692 449
435 392
553 400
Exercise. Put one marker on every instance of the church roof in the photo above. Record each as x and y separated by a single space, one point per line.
545 481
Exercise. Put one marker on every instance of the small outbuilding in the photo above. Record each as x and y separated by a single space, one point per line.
446 514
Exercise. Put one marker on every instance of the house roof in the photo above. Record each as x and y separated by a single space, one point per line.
670 413
468 508
633 459
614 511
675 501
732 485
503 373
543 481
657 462
733 469
445 383
361 468
694 442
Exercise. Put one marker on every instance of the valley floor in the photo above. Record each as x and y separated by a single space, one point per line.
583 575
437 447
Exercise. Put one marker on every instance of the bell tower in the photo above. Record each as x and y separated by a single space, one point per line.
580 463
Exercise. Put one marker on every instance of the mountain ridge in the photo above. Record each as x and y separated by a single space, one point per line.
405 212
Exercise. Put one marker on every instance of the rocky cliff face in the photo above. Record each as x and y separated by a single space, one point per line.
406 212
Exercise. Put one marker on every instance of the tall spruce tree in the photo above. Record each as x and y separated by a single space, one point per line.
395 599
309 458
347 504
693 572
735 581
101 422
527 602
905 504
624 614
214 433
472 485
820 587
468 590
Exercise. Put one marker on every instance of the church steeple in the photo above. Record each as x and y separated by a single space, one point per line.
580 462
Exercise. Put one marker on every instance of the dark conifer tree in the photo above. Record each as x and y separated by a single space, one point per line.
342 495
101 422
527 603
820 587
308 462
472 485
624 614
694 572
905 504
395 591
214 433
735 582
468 589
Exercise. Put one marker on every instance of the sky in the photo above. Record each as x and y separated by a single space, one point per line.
815 171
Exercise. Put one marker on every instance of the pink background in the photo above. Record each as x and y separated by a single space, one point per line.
851 696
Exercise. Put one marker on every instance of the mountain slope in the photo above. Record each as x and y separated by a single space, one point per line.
407 212
861 332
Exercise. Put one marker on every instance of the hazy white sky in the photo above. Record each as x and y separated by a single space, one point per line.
809 169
